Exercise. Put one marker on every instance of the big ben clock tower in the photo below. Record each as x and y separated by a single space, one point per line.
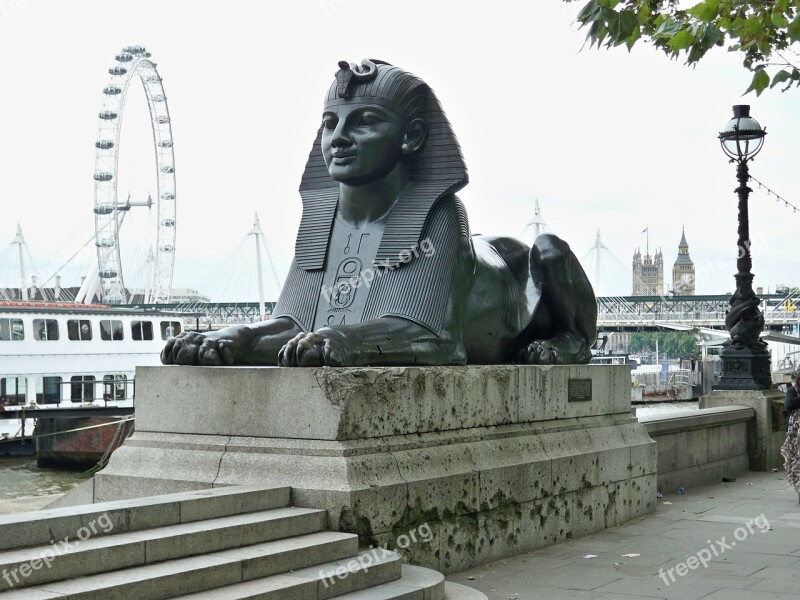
683 281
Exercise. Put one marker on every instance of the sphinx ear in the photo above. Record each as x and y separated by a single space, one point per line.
416 132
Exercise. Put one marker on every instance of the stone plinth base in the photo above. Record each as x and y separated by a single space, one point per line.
764 435
745 369
492 461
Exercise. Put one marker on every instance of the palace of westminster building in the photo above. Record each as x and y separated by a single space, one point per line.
648 272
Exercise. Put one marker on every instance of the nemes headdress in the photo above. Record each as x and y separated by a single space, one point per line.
437 169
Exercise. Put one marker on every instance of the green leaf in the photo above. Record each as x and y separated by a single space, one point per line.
780 77
759 83
706 11
754 26
635 35
681 40
644 13
667 28
627 23
589 12
779 20
794 29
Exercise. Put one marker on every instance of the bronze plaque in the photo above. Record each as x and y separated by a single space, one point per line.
579 390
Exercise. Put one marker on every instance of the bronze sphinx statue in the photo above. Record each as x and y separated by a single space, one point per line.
385 269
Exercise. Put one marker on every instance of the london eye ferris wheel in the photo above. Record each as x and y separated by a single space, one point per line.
133 63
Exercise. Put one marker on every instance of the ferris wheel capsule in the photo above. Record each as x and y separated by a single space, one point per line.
167 169
104 144
118 70
112 90
103 176
134 49
168 196
108 115
159 98
124 57
165 144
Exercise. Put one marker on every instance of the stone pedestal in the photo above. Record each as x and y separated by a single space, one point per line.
493 460
745 369
764 435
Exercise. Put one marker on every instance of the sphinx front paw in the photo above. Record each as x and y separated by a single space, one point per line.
562 349
541 352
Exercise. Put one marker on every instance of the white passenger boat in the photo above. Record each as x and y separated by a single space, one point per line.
65 355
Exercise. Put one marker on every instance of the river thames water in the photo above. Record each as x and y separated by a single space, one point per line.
24 486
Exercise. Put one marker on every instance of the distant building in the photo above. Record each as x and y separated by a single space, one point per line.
648 274
178 296
683 275
184 295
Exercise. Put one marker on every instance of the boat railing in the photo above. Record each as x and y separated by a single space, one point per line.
109 392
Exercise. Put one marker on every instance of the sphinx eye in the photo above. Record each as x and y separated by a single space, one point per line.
329 122
369 119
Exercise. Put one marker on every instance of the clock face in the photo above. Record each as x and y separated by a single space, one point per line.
686 278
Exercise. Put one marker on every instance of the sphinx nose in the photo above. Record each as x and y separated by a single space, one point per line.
341 137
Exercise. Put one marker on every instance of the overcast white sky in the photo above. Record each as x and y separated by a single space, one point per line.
604 139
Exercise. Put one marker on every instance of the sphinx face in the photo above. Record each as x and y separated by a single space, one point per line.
361 142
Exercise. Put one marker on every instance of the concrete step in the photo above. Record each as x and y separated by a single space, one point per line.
40 528
415 583
456 591
260 562
325 580
25 567
241 542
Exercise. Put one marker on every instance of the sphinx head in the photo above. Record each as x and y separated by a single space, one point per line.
372 122
404 127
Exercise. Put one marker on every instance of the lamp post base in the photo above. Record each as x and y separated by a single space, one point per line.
745 369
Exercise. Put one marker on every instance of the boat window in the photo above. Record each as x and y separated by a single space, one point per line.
111 330
142 330
11 330
45 329
170 329
48 390
12 390
79 329
82 388
114 387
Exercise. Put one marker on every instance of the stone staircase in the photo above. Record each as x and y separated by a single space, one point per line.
217 544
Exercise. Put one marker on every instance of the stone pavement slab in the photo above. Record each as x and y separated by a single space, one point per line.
737 541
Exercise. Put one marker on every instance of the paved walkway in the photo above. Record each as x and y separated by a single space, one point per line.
707 524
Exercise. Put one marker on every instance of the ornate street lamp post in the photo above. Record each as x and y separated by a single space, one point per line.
745 359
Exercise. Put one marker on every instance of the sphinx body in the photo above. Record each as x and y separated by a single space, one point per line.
386 271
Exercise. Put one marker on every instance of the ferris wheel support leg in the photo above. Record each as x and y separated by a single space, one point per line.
89 286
